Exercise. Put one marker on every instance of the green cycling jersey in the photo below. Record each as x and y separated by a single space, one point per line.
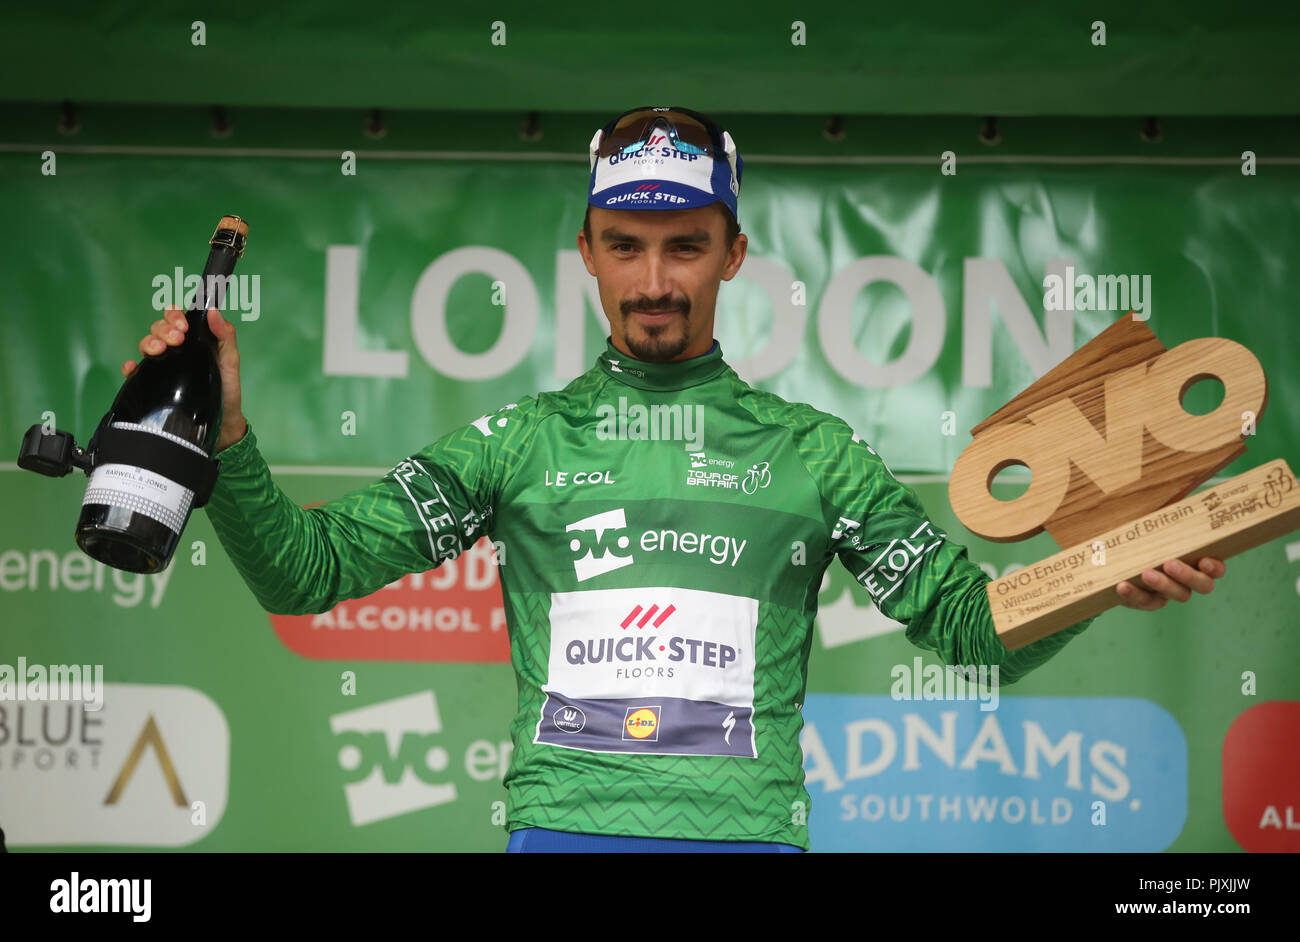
662 531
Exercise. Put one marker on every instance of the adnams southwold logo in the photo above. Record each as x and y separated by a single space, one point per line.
603 543
1039 774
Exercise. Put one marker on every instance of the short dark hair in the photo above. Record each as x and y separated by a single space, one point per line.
733 227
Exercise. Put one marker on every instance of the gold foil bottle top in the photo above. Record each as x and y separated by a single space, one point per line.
231 231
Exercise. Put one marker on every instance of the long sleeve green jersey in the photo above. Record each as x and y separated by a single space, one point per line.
662 530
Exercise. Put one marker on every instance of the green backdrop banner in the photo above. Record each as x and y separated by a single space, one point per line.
948 57
379 310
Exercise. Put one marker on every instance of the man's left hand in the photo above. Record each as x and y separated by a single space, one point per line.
1176 582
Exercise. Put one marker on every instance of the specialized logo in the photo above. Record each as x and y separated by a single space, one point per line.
391 759
642 723
600 544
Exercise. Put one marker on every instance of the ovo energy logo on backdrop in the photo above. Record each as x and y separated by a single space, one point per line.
391 759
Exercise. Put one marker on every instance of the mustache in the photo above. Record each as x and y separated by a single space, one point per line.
632 307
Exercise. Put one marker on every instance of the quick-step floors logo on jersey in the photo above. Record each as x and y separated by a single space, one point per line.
652 669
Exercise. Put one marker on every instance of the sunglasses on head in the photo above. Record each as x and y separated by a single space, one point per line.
687 130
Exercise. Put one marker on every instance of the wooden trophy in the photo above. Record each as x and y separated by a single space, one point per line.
1113 457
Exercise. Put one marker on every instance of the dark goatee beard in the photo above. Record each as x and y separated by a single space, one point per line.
658 344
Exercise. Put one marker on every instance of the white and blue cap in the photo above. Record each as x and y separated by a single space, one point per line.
663 158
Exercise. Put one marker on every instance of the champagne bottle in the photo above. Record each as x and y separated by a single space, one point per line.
132 516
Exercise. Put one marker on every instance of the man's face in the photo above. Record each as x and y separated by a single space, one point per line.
658 273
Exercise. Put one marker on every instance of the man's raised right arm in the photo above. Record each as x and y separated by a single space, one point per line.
430 507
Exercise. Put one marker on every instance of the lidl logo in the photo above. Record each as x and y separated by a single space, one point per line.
642 723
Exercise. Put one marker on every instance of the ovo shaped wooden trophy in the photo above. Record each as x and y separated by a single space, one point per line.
1113 456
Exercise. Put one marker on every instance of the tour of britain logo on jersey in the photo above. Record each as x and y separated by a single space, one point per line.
642 723
600 544
713 472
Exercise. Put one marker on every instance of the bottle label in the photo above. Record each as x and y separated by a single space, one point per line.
140 490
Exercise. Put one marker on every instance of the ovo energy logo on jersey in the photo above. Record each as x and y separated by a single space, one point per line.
642 723
600 544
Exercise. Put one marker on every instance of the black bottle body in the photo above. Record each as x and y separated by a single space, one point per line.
131 517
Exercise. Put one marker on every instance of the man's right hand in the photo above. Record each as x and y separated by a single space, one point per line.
169 330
